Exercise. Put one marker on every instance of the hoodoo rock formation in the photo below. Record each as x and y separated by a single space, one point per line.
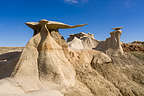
53 29
112 45
49 66
43 61
43 58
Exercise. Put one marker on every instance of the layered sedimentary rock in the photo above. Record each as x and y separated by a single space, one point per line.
43 63
79 35
134 46
82 40
43 69
54 30
112 45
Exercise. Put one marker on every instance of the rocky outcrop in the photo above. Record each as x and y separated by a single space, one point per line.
82 41
54 30
134 46
80 36
43 59
76 43
43 69
112 45
43 62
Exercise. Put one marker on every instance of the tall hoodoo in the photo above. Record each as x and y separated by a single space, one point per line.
54 31
112 46
53 28
43 59
115 38
115 44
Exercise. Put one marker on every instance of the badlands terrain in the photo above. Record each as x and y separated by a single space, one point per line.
80 66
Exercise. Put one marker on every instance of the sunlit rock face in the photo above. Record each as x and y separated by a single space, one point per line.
46 69
112 46
80 36
44 57
53 28
82 41
76 43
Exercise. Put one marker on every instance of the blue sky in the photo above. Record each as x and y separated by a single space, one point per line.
100 15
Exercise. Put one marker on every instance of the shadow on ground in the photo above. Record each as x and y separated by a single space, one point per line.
8 62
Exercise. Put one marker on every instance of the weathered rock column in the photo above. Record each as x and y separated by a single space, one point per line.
114 46
43 59
54 31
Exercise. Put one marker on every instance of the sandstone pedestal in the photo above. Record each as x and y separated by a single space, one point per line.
112 46
43 60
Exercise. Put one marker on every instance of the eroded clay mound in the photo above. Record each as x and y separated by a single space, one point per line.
82 41
76 44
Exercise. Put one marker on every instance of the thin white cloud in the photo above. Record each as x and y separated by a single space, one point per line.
76 1
72 1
